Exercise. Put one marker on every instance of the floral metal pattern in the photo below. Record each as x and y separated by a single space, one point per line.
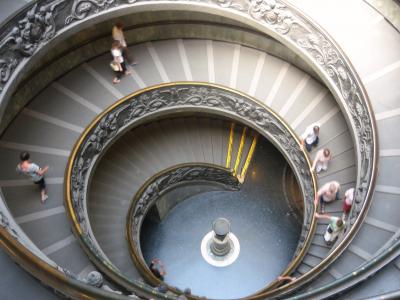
170 179
24 35
41 21
189 97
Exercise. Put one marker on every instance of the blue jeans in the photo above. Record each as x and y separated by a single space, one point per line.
309 146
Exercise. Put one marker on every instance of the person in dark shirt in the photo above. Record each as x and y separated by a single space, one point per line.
157 268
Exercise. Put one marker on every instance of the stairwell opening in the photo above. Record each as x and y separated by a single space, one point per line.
265 215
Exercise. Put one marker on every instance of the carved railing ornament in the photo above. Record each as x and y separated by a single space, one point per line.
38 24
165 99
41 21
156 187
310 39
9 224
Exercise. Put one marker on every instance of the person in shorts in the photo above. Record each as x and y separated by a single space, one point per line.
335 227
329 192
35 172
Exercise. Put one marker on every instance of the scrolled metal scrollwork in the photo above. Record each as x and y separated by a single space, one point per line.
82 8
166 99
37 25
41 21
169 179
310 39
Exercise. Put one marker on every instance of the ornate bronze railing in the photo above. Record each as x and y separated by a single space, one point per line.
160 184
165 99
363 272
26 36
29 257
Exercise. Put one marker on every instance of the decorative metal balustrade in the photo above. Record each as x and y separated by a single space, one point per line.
29 34
26 254
35 26
159 185
165 99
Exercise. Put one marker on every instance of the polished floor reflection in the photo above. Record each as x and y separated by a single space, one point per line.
260 218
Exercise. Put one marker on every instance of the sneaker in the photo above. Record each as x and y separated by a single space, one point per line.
134 63
44 198
116 80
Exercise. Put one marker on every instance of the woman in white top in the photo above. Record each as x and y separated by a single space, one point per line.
35 172
118 59
118 35
321 160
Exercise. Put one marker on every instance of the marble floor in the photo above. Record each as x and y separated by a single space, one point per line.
260 218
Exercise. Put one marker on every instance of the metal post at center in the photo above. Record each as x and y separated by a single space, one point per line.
221 244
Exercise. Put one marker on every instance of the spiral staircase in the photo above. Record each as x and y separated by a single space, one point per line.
51 98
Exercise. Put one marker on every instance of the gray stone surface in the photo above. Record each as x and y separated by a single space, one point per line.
389 9
265 250
87 87
42 231
27 130
385 281
23 200
9 7
16 284
53 103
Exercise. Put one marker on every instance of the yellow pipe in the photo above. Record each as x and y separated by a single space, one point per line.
248 159
240 151
297 259
230 147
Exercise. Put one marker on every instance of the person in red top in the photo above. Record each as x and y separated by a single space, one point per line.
348 201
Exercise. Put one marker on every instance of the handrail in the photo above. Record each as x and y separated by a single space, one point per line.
363 272
156 187
389 10
342 79
277 18
51 276
7 221
163 99
22 250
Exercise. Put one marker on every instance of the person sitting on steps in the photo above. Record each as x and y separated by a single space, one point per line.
310 137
